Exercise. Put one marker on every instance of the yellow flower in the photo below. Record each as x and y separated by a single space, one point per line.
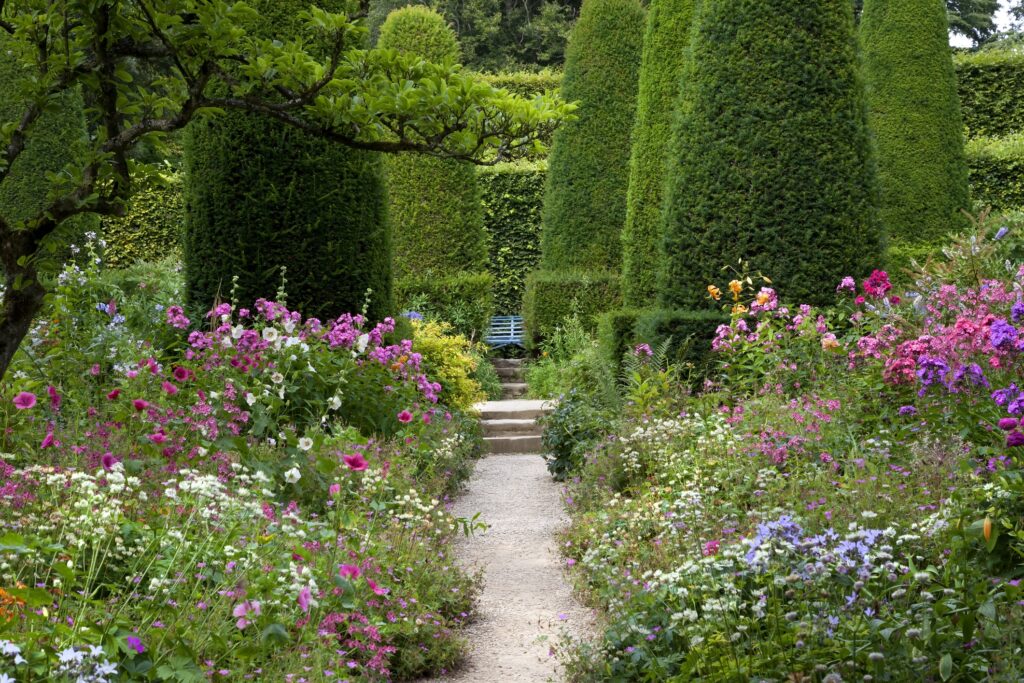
715 292
739 309
735 287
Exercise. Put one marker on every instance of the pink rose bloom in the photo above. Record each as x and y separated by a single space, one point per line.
356 462
25 400
405 417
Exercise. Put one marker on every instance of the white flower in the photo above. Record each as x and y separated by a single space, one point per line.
305 443
277 378
270 334
171 492
236 332
362 342
289 326
293 475
250 398
334 403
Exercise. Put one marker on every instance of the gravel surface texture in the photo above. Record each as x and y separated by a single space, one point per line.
527 604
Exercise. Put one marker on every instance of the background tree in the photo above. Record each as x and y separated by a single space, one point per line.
665 49
205 60
974 19
771 158
914 114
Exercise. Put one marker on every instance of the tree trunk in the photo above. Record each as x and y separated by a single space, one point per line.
19 306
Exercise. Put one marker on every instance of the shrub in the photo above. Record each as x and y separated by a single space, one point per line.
434 204
526 83
261 195
665 50
465 300
55 137
153 226
997 171
550 297
771 157
689 335
585 200
991 86
616 334
449 359
512 196
914 114
569 430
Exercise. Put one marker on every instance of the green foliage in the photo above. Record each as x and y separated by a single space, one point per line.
464 300
525 83
585 201
421 31
572 428
688 334
487 377
616 334
449 359
512 196
551 296
914 114
153 226
991 86
57 137
997 171
771 159
665 50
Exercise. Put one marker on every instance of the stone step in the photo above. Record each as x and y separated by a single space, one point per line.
511 427
513 444
516 409
510 374
513 390
507 362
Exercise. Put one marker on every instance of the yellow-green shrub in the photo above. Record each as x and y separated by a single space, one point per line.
448 358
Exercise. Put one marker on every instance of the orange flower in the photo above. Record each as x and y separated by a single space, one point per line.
735 287
739 309
715 292
987 528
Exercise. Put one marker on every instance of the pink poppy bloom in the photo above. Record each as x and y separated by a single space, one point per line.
25 400
169 388
243 610
356 462
113 394
405 417
379 590
349 571
54 397
140 404
304 597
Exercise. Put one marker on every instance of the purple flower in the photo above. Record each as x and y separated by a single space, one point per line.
1003 396
1001 233
1014 439
907 410
135 644
1008 424
1017 312
25 400
1002 334
931 371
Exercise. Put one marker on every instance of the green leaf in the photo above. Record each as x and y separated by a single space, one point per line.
946 666
275 634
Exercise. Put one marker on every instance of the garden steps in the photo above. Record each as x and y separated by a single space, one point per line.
511 390
510 425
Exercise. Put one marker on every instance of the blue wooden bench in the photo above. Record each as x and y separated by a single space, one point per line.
506 330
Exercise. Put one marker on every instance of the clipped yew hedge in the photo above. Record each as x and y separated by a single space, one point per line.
512 197
997 171
553 296
151 229
991 86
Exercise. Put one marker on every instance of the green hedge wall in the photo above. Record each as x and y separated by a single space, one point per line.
512 196
585 202
551 296
433 204
616 334
153 227
466 300
771 159
261 195
914 114
665 50
690 334
991 86
526 83
997 171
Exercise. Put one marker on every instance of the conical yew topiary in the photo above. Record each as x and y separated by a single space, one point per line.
914 114
771 160
666 45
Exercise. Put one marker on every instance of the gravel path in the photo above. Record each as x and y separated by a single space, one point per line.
526 602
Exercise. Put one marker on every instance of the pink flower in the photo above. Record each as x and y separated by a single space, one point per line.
95 370
356 462
349 571
426 418
405 417
169 388
1008 424
158 437
48 439
54 398
181 374
108 462
25 401
380 590
334 489
1015 439
113 394
711 548
135 644
140 404
243 610
304 597
878 284
176 318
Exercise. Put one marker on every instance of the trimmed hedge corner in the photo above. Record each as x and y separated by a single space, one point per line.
997 171
551 296
991 86
465 300
691 334
616 334
512 197
152 228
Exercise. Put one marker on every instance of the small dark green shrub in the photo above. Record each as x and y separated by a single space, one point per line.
512 196
991 86
526 83
997 171
585 201
691 333
466 300
152 228
617 334
574 426
551 296
487 377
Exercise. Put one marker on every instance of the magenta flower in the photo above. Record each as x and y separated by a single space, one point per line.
380 590
140 404
113 394
25 401
54 398
158 437
304 597
334 489
711 548
405 417
135 644
1015 439
349 571
243 610
356 462
95 370
1008 424
47 440
180 374
108 461
169 388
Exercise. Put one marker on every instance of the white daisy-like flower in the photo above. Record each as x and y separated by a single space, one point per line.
362 342
305 443
293 475
277 378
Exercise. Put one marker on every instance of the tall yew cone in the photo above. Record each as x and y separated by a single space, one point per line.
914 114
771 160
666 45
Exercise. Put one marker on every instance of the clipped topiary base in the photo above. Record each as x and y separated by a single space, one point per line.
552 296
690 334
616 333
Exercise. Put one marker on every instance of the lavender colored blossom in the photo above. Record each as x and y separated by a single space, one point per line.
1002 334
